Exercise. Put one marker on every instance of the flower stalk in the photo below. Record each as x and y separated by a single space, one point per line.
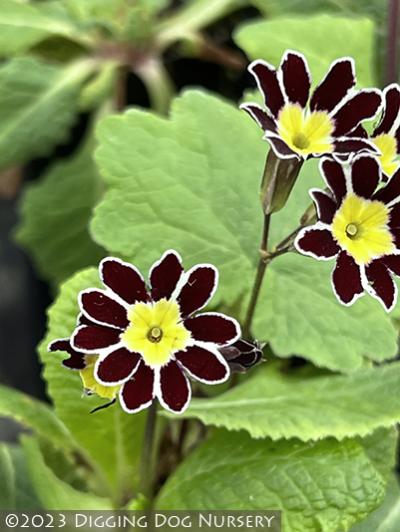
146 483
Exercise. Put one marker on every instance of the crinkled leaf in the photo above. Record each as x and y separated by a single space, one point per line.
38 104
55 212
281 405
321 487
321 37
111 438
387 517
33 414
53 493
191 183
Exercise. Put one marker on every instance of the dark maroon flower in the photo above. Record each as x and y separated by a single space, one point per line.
148 339
359 224
302 123
386 135
242 355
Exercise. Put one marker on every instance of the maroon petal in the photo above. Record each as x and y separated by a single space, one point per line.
354 145
199 288
346 279
123 279
117 367
365 176
213 327
267 81
325 205
84 320
393 263
203 365
260 116
319 243
281 149
103 309
391 110
175 391
296 78
359 132
390 191
138 393
363 105
334 176
165 274
381 284
335 86
394 222
76 359
92 338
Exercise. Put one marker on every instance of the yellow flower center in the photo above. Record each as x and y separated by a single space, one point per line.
387 145
360 227
90 383
305 133
156 331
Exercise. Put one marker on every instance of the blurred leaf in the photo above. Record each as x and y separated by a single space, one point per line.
387 517
278 7
34 415
53 493
281 405
381 447
111 438
322 38
23 25
55 212
191 183
313 484
98 89
38 105
7 476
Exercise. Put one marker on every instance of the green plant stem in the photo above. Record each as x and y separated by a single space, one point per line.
146 465
392 41
158 83
262 266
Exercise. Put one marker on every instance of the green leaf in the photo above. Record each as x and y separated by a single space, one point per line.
53 493
111 438
321 37
321 487
38 104
381 447
288 406
387 517
54 230
7 476
192 183
24 25
33 414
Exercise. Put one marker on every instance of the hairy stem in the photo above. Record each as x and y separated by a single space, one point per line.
146 466
392 41
158 83
262 266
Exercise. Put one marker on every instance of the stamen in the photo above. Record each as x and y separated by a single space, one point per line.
301 141
351 230
155 334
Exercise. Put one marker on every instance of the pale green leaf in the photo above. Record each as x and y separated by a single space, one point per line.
33 414
21 492
192 183
381 447
320 487
282 405
23 25
7 476
111 438
38 105
55 212
387 517
321 37
53 493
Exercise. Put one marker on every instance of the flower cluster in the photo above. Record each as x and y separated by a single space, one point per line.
141 341
358 215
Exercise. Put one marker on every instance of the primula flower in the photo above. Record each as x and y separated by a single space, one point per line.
242 355
386 135
147 339
302 124
359 224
